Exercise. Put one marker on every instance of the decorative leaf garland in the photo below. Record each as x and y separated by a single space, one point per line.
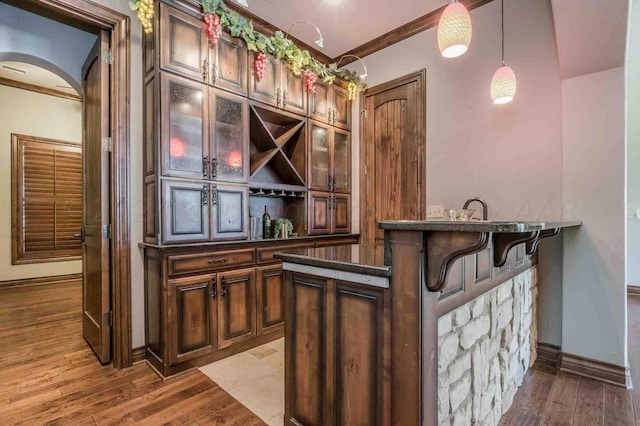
281 47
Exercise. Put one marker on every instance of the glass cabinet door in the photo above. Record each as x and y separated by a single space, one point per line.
268 89
229 134
185 210
184 127
320 159
341 108
341 161
294 97
230 213
229 64
183 44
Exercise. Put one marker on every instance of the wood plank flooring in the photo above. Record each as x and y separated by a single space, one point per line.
548 397
48 374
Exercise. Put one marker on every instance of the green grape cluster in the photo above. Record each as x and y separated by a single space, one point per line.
145 14
352 88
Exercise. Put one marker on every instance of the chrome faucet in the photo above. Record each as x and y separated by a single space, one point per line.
485 213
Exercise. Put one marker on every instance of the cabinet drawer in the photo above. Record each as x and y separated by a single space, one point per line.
185 264
265 255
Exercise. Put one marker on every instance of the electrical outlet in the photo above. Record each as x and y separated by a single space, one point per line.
435 211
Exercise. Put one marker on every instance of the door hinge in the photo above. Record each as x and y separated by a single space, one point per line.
106 231
364 113
107 144
108 319
106 57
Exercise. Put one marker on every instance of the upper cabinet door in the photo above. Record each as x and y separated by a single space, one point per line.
184 45
268 90
230 211
185 211
341 161
294 97
229 64
341 116
184 121
229 136
320 103
320 137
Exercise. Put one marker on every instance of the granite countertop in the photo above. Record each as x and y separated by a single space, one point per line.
307 238
499 226
342 258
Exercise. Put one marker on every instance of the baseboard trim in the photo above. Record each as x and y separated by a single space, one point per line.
138 355
39 280
548 353
597 370
633 290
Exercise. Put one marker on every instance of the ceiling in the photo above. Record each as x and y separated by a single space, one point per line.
345 24
31 74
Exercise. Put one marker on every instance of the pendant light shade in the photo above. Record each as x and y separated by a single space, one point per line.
503 85
454 30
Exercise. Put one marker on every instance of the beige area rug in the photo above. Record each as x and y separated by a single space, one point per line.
255 378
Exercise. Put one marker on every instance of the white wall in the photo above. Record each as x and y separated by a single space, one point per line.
594 291
510 155
34 114
633 144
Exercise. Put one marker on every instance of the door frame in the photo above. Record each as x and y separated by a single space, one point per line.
420 77
119 27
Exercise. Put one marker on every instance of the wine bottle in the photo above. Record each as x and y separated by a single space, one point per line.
266 224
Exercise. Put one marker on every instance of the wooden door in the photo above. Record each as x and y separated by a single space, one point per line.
341 161
267 90
320 156
341 116
320 103
319 212
96 229
230 211
183 44
192 317
184 128
270 292
236 306
294 96
229 64
393 156
185 211
340 214
229 137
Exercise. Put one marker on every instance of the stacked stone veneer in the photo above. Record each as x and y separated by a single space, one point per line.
486 347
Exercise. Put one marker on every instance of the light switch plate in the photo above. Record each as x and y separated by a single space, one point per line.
435 211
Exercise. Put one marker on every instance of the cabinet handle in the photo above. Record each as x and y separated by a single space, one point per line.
214 168
214 73
223 293
214 288
284 99
205 195
329 181
214 195
330 200
334 183
205 70
218 260
278 97
205 166
330 115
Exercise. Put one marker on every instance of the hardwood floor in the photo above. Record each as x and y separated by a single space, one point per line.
549 397
48 374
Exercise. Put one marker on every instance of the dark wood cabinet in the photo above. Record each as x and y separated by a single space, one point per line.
330 105
340 212
237 321
229 64
319 212
230 205
280 87
184 46
270 297
294 96
330 158
334 339
192 317
185 211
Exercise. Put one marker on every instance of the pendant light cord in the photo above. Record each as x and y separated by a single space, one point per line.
502 18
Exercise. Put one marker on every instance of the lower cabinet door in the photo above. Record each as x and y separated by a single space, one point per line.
191 317
319 213
341 214
185 211
230 211
236 305
270 298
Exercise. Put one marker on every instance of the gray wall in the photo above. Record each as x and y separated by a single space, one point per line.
633 144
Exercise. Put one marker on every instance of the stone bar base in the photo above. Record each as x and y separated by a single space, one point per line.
485 349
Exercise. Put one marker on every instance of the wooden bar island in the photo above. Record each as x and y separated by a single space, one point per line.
445 328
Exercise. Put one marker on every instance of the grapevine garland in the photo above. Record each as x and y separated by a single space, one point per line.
146 11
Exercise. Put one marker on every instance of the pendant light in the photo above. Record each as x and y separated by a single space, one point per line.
243 3
503 83
454 30
320 41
